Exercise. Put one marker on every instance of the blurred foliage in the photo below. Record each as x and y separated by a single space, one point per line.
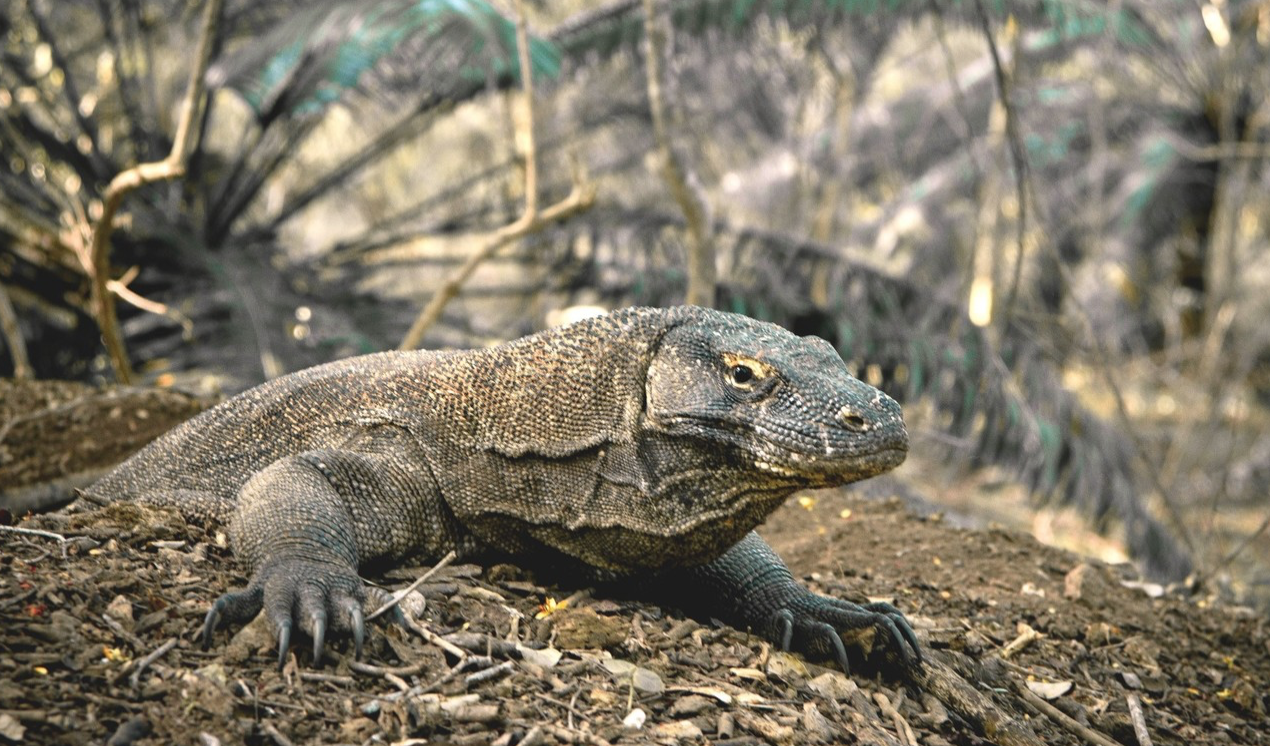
863 179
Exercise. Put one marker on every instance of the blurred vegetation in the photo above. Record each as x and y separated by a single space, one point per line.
1042 225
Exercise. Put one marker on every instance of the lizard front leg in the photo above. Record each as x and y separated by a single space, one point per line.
750 587
305 525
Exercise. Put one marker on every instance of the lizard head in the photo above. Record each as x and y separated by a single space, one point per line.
782 407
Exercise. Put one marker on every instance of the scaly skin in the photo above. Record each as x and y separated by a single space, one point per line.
646 443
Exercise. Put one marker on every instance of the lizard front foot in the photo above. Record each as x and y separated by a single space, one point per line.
812 623
316 597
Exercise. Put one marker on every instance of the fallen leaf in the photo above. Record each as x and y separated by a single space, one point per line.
544 658
10 728
1049 690
644 680
550 606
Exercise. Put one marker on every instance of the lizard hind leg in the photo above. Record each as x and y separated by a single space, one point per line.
295 529
314 596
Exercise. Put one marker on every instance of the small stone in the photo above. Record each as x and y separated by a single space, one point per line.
833 685
634 719
688 706
585 629
677 729
815 724
120 609
1087 583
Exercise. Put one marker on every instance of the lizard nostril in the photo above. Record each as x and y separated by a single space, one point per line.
853 421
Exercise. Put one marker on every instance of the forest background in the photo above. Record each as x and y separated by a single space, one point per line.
1041 225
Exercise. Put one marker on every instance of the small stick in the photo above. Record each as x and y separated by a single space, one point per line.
435 639
488 674
277 737
1061 718
398 595
370 669
329 678
1139 721
1026 637
36 532
574 736
161 651
901 725
118 629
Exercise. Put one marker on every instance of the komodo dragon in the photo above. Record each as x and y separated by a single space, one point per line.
645 444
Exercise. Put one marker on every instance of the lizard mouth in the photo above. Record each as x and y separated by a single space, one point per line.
821 470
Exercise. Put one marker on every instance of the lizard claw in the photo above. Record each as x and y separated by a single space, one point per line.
316 597
815 623
901 632
785 618
358 624
319 635
284 642
232 607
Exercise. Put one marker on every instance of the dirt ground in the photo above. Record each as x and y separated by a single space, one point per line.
1026 645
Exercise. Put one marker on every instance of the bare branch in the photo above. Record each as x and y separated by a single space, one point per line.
530 221
103 301
683 183
1017 154
13 337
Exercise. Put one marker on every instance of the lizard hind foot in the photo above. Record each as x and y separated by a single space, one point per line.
315 597
815 623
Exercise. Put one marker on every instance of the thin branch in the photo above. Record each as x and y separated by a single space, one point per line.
398 595
1234 553
171 167
530 221
120 288
1021 169
1139 720
581 198
135 679
683 183
1062 719
13 337
61 540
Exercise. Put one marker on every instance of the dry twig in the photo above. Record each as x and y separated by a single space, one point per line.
398 595
1017 154
683 183
143 663
1060 718
97 262
531 219
61 540
901 725
1139 721
13 337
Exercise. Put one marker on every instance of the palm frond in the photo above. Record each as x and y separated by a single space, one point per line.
314 56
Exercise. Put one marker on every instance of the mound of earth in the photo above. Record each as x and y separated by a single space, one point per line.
1026 645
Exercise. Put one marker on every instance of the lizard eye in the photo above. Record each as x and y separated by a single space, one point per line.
742 376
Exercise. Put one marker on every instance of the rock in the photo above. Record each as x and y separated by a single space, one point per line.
815 724
585 629
1089 584
120 609
634 719
678 730
833 685
688 706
